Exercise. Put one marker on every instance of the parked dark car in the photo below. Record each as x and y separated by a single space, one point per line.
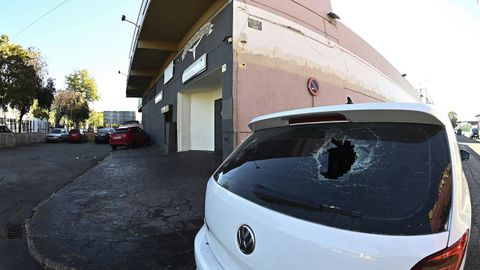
103 135
130 137
5 129
76 135
474 133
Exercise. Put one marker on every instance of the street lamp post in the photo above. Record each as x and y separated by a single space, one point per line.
124 19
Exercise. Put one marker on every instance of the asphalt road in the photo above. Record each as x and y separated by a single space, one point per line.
471 168
28 176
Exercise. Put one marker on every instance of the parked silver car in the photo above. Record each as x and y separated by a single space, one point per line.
57 135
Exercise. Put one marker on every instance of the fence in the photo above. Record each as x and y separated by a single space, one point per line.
28 126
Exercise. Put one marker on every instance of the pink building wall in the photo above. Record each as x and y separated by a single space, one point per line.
297 41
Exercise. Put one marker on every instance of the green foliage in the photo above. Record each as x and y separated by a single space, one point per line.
46 94
20 76
80 82
39 112
96 119
453 118
71 106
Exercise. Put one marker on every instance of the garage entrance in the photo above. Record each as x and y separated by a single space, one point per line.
199 115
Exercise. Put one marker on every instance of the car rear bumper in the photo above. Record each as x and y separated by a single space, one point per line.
101 138
119 142
204 257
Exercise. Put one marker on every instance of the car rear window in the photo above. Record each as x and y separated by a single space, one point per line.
74 131
384 178
121 131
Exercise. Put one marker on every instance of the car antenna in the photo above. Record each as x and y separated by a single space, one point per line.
349 100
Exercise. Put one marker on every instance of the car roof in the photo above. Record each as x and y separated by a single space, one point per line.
361 112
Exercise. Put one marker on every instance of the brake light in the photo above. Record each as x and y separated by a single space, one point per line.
448 259
318 119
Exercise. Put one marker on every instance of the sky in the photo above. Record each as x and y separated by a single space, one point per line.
80 34
435 42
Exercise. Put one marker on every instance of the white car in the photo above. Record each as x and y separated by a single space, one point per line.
362 186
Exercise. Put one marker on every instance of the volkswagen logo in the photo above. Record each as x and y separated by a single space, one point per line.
245 239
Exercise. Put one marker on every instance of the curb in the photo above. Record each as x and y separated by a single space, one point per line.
45 262
42 260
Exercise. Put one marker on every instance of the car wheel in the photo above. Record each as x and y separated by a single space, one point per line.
114 147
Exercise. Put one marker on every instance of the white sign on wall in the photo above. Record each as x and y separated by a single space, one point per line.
159 97
168 73
197 67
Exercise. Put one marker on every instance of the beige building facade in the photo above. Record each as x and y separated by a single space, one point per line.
204 70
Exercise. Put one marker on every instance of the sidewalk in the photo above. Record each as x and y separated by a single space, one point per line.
138 209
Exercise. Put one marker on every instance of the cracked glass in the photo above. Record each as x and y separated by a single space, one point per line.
397 176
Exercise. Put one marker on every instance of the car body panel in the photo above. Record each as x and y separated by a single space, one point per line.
57 137
103 135
394 112
134 137
5 129
76 135
285 242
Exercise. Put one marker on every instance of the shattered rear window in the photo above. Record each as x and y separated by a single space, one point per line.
394 177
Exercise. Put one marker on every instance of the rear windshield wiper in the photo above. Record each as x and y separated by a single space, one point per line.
270 195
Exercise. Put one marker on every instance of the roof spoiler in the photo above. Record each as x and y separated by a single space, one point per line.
364 112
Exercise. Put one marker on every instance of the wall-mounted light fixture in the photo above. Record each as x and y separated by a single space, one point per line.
121 73
124 19
332 15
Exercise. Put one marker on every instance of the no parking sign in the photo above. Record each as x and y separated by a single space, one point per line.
313 86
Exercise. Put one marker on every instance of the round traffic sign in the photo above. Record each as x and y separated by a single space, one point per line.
313 86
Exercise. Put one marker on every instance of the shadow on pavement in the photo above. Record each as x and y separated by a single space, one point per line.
463 139
139 209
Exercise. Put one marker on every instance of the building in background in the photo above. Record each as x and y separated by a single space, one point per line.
29 123
111 118
205 68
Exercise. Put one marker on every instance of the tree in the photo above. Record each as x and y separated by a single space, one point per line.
96 119
46 94
453 118
38 112
20 76
80 82
70 105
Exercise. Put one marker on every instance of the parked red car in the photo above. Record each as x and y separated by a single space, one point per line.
76 135
128 136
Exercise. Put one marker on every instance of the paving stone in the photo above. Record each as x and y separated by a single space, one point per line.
138 209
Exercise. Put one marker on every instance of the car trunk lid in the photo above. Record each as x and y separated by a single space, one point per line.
285 242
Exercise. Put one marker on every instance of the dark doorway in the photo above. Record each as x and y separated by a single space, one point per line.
170 132
218 126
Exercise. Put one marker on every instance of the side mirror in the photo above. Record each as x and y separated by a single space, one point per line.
464 155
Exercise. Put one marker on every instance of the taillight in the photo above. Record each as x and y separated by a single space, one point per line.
448 259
